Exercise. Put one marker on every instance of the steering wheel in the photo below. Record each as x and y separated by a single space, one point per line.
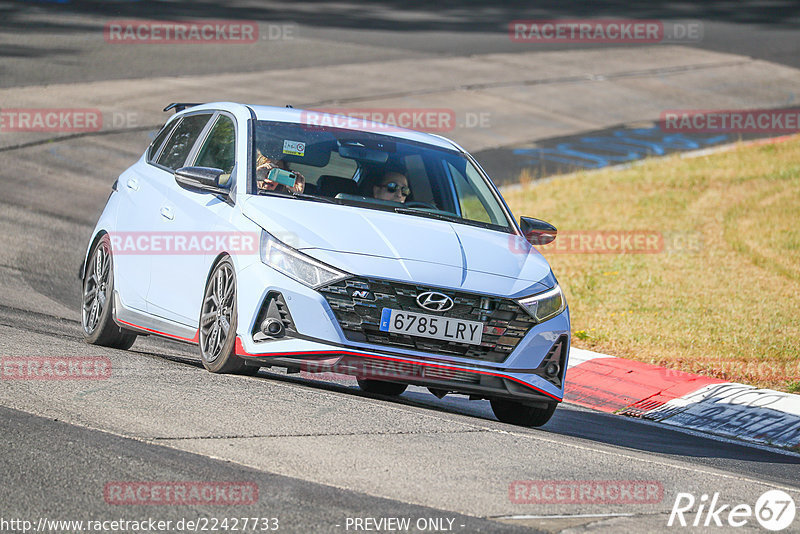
417 204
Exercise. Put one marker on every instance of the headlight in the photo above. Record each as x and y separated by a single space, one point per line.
545 305
295 264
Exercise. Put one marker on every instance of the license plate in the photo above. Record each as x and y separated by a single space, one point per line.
431 326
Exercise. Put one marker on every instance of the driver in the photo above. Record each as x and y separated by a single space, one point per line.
393 186
265 164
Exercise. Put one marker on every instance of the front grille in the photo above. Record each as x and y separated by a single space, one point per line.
358 302
451 375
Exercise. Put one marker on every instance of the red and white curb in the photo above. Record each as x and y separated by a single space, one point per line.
685 400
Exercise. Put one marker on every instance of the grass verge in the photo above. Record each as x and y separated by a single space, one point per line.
723 296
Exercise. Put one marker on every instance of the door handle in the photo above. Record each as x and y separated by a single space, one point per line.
167 213
133 183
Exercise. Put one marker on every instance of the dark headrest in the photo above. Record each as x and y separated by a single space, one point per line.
330 186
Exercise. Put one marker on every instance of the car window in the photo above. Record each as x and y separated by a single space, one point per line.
159 140
219 149
418 178
472 196
337 166
181 141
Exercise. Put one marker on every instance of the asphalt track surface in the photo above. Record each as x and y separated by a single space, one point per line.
66 35
319 452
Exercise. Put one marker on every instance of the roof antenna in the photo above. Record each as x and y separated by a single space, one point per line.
289 106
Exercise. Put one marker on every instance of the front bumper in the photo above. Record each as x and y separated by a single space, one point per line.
315 342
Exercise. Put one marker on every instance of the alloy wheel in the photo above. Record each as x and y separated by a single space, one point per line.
217 313
95 288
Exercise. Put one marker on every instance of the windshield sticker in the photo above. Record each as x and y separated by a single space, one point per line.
294 148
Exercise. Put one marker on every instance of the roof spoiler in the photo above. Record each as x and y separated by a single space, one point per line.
180 106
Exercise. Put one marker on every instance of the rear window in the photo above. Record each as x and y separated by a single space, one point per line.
181 141
219 149
159 140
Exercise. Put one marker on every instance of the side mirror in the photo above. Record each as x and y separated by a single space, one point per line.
205 179
537 232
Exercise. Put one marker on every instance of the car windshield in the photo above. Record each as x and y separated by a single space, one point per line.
372 171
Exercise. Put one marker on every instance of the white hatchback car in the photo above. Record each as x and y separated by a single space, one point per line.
271 240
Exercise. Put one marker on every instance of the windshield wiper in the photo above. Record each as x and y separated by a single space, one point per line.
300 196
315 198
431 214
451 218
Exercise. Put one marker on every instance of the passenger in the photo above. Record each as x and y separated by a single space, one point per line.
265 164
393 186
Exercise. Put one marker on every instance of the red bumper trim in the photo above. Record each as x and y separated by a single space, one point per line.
241 352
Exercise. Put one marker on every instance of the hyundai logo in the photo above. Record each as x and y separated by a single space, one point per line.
434 301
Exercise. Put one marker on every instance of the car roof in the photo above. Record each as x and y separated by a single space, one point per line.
300 116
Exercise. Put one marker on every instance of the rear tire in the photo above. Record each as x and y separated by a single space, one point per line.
218 321
381 388
516 413
97 318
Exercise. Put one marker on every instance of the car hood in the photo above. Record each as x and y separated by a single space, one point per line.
346 237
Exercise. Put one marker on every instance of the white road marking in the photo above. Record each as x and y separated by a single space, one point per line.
559 516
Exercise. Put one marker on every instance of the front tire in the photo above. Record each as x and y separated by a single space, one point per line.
516 413
218 319
381 388
97 318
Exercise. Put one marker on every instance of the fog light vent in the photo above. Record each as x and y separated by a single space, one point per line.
274 320
552 367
